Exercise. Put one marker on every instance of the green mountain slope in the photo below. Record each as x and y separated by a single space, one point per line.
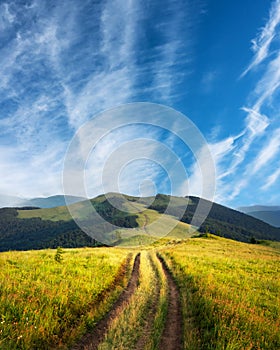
136 221
222 221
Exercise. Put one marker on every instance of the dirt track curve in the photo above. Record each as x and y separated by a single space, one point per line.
171 338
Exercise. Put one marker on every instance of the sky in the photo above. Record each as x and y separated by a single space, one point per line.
62 63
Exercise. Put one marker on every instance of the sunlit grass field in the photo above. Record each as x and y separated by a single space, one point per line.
230 293
45 304
143 318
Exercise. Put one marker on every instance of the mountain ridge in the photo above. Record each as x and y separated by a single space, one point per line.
267 213
258 207
22 229
42 202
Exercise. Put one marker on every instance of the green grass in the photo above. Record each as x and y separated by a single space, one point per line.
126 328
53 214
272 244
81 209
152 224
137 318
153 227
45 304
230 293
158 225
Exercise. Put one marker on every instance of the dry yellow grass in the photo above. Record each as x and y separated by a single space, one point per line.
45 304
230 293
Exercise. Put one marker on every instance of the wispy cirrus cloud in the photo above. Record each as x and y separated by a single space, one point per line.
267 153
63 62
261 44
258 169
272 178
127 66
258 145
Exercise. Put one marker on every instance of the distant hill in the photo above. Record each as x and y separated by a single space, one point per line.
222 221
53 201
10 201
253 208
271 217
35 233
41 202
269 214
31 228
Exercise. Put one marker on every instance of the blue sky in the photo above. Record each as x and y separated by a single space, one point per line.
217 62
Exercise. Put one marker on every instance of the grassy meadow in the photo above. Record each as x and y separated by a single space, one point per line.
45 304
140 323
229 295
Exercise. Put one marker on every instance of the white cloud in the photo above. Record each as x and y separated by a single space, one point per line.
120 78
127 157
113 83
235 177
103 90
261 44
25 174
231 153
268 84
254 160
267 153
256 123
163 67
202 177
65 63
7 17
271 179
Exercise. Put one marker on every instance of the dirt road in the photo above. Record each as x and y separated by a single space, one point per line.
171 337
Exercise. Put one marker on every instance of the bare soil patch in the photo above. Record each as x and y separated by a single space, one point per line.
172 334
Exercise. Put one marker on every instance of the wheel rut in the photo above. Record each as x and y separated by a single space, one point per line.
171 338
146 223
147 329
91 340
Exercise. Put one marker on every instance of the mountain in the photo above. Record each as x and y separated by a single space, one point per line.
137 221
268 214
41 202
53 201
222 221
10 201
254 208
271 217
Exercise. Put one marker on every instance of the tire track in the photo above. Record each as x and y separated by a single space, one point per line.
171 338
147 329
91 340
146 223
